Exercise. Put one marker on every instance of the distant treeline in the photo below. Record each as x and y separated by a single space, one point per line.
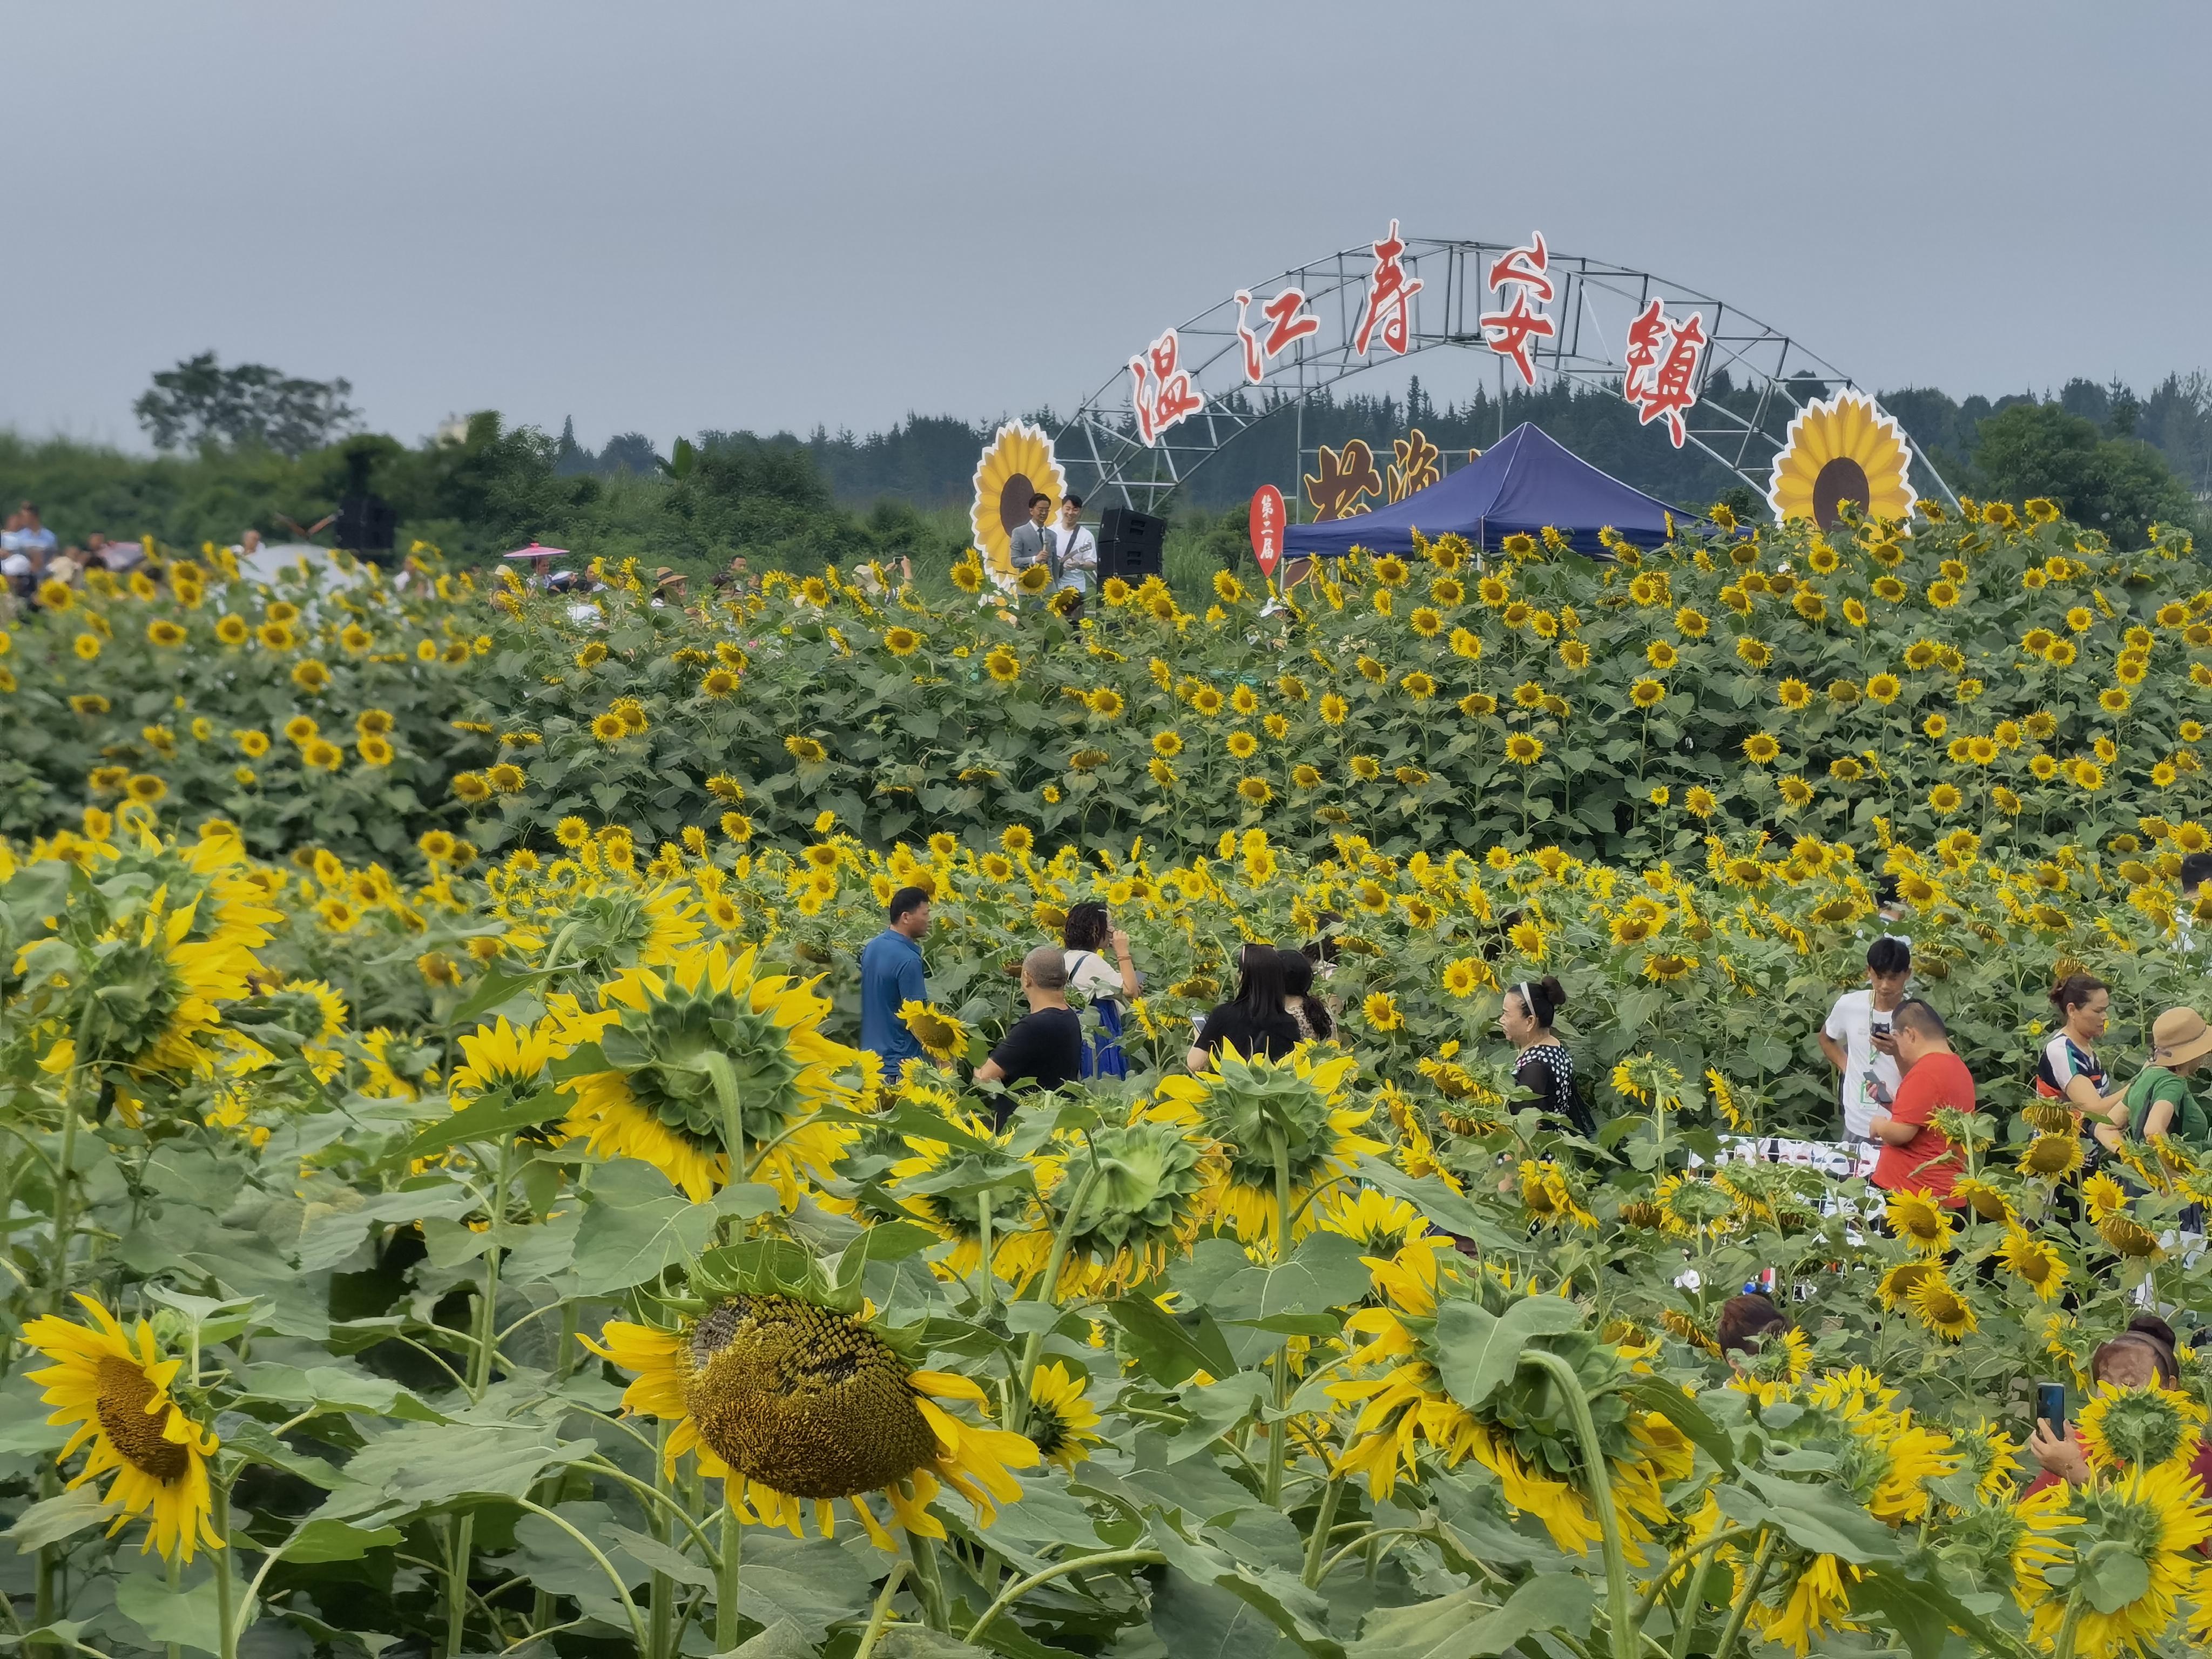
2112 459
928 460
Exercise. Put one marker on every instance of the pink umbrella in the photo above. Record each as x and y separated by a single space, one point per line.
534 551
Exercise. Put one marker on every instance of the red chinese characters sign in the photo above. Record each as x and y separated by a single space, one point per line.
1389 297
1526 274
1662 366
1267 527
1163 393
1663 353
1288 322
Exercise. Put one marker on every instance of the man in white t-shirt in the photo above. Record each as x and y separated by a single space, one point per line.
1857 1040
1073 549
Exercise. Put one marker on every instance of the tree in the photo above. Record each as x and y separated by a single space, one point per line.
200 402
2118 487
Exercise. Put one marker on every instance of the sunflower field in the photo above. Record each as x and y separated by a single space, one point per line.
2001 671
444 1211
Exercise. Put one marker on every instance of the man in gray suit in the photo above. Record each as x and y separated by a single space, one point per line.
1030 544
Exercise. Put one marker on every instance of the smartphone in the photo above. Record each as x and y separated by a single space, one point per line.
2050 1406
1880 1026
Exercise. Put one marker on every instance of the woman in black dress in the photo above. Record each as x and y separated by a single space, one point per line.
1258 1021
1545 1067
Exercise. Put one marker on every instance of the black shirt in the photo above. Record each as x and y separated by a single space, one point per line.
1044 1047
1230 1022
1547 1072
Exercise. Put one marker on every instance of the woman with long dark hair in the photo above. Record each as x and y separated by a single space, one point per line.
1258 1020
1086 936
1315 1025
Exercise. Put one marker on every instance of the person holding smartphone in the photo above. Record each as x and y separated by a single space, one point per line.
2144 1356
1858 1039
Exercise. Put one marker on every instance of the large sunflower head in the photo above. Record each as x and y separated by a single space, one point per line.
1020 463
1144 1190
2140 1428
1841 449
619 926
1254 1106
713 1042
114 1385
142 1004
2153 1519
1515 1424
789 1399
943 1184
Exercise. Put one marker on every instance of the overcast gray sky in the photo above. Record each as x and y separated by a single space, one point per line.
672 217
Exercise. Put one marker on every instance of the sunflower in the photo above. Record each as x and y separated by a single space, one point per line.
114 1386
1523 749
1899 1283
712 1044
1941 1309
2155 1518
1382 1224
1548 1198
1060 1416
1841 449
786 1401
2150 1428
2103 1196
504 1060
1647 693
1987 1203
2051 1157
1019 464
1132 1198
942 1036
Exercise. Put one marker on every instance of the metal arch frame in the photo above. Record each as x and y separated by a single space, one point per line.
1101 435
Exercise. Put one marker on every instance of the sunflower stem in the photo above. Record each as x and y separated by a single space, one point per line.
64 1217
460 1545
726 1578
881 1614
1323 1519
1278 1430
226 1593
927 1580
733 1119
660 1611
1753 1581
1048 1290
1620 1610
988 1296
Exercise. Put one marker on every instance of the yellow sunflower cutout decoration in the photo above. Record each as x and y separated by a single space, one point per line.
1020 463
1841 449
114 1385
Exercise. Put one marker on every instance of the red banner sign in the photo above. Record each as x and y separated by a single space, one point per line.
1267 527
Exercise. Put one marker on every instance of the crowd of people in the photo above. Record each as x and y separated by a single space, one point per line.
31 556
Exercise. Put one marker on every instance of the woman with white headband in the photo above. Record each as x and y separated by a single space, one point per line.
1545 1067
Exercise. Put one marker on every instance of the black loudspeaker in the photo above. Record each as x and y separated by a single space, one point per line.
365 525
1129 544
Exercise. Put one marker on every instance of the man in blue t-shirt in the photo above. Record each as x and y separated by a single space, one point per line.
891 975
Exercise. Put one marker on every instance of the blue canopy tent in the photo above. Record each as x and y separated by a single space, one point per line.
1521 483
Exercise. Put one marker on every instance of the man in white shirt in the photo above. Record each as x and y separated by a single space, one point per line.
1857 1039
1074 550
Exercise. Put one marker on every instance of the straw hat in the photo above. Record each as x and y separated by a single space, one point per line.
2178 1037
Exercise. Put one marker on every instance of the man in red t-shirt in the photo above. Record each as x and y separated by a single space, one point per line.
1915 1155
